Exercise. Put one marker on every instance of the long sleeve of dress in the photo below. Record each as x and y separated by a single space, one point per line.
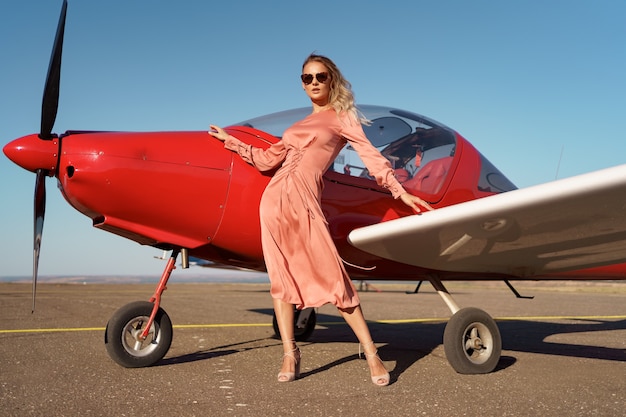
378 166
261 159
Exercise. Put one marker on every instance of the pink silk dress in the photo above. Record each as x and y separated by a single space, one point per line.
302 261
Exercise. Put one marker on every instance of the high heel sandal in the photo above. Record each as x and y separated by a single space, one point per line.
379 380
291 376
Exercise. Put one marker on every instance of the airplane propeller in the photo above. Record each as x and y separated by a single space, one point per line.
49 106
50 102
40 210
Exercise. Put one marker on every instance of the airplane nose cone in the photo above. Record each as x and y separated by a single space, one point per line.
32 153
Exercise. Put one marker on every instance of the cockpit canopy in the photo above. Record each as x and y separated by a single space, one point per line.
420 150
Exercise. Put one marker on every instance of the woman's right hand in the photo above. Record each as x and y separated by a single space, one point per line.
218 133
415 202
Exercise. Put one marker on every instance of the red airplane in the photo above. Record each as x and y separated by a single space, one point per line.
483 228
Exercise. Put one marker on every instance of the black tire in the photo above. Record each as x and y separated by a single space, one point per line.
122 335
472 342
301 333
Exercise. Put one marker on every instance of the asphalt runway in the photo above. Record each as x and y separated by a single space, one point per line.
564 354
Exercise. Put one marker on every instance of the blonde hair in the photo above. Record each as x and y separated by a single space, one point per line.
341 97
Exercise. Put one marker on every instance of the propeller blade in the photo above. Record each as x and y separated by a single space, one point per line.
50 101
40 211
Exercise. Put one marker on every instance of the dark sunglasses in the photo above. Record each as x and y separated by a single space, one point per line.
308 78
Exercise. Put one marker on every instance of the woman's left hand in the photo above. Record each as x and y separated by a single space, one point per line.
415 202
218 133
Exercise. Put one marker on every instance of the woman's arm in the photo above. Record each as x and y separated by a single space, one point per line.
378 166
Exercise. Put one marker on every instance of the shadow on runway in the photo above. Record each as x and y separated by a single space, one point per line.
407 343
530 336
216 352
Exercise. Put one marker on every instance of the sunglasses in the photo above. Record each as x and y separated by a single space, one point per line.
308 78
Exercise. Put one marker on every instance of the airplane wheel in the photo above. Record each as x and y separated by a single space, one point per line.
123 335
305 330
472 342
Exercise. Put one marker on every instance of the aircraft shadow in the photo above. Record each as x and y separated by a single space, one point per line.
407 343
530 336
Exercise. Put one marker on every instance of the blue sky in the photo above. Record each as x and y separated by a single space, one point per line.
525 82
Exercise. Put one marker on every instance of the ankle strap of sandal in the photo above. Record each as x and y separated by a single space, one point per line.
370 343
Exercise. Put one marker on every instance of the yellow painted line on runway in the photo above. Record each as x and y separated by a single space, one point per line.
409 321
101 329
538 318
70 329
399 321
541 318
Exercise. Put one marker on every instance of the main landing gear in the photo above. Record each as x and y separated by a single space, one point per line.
471 339
303 326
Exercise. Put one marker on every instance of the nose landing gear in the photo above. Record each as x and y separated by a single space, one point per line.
139 334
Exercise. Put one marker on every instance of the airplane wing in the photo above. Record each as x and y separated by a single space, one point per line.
570 224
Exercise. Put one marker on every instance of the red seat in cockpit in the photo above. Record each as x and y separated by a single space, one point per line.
430 178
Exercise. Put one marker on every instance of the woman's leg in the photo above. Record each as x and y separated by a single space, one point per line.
354 317
285 320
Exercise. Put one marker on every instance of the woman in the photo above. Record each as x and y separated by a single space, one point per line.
294 232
